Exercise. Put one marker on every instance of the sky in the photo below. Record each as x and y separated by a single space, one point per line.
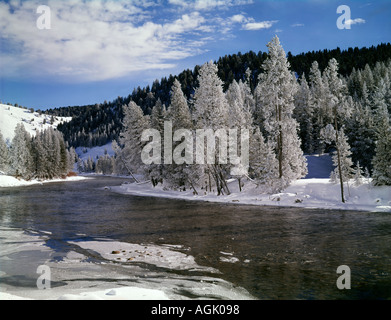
76 52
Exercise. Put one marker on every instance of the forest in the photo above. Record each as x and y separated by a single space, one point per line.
287 117
95 125
334 101
45 156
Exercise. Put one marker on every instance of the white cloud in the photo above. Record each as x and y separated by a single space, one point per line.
105 39
248 23
354 21
295 25
94 40
209 4
259 25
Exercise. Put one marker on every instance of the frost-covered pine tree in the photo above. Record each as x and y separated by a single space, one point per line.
4 155
179 173
342 160
239 106
40 157
22 162
240 118
179 111
358 175
158 116
318 101
210 111
304 113
134 124
209 103
341 108
276 89
263 163
382 160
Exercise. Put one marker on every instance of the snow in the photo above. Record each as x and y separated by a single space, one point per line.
76 277
315 191
10 116
124 293
9 181
162 256
305 193
95 152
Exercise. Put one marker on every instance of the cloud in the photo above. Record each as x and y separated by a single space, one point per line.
249 23
354 21
95 40
208 4
259 25
295 25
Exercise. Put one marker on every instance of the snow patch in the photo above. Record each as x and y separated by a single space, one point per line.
10 116
304 193
9 181
163 256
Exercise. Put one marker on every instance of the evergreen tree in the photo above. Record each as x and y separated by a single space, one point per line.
178 175
4 155
263 163
158 116
318 99
304 113
358 175
342 160
276 97
40 157
340 107
210 111
382 160
22 162
134 124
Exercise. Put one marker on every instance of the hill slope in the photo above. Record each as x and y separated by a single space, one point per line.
33 121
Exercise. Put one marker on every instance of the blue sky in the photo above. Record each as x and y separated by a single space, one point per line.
96 50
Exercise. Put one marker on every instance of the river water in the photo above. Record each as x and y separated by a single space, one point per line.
271 252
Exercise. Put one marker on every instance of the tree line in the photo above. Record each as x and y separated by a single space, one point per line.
95 125
44 156
286 116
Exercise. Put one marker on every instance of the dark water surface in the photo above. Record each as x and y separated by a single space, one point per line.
276 253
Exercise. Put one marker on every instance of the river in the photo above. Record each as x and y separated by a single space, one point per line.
270 252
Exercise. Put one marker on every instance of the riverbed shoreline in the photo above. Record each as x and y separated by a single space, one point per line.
10 181
315 193
304 193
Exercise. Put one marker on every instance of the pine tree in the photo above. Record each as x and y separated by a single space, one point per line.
179 111
276 97
341 108
210 111
342 159
158 116
240 103
210 104
40 157
178 175
263 163
4 155
382 160
22 162
318 99
358 175
304 113
134 124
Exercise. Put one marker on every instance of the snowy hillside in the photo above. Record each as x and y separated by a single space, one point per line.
95 152
10 116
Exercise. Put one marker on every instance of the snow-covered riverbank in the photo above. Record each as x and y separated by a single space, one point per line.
9 181
304 193
117 275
